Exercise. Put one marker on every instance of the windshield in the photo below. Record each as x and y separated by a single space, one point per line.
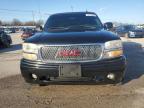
73 22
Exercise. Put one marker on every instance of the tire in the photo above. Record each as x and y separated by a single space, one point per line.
7 44
118 81
30 82
43 84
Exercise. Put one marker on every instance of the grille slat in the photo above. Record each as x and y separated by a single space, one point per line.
87 53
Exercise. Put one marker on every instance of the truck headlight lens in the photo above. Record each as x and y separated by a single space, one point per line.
30 51
113 49
115 44
30 56
30 48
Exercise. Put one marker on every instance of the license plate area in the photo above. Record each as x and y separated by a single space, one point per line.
70 70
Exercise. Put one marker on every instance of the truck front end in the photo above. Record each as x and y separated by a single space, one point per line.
73 52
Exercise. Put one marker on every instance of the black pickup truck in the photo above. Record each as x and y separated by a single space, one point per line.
73 46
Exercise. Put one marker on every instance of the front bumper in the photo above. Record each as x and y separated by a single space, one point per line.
88 70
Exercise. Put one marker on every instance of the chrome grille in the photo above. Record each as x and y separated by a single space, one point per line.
87 52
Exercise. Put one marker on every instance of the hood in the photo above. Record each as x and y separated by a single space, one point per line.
72 37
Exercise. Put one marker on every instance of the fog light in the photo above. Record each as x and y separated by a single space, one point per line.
111 76
34 76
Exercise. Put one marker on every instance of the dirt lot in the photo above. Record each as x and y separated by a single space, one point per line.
15 93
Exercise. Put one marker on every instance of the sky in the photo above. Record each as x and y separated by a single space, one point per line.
125 11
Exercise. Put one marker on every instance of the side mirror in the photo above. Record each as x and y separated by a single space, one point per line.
108 26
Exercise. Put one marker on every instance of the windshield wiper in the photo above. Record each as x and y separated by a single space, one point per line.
58 28
88 26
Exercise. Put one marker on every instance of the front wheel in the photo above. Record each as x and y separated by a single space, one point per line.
43 84
6 44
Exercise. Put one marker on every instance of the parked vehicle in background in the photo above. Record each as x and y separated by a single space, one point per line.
5 40
1 29
73 46
13 30
27 33
130 31
7 30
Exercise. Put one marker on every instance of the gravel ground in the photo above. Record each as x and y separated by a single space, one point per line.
15 93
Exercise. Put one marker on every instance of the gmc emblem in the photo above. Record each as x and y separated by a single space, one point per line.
69 53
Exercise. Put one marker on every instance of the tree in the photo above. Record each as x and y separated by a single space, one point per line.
6 23
30 23
0 23
39 23
16 22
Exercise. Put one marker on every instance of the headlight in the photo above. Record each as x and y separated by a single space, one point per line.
113 49
115 44
30 51
30 48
